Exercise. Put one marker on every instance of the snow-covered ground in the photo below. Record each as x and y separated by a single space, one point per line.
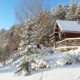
55 72
71 72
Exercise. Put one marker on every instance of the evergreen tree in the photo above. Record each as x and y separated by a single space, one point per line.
73 2
78 10
71 11
27 49
59 12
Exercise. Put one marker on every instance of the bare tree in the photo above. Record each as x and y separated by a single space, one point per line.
30 8
43 27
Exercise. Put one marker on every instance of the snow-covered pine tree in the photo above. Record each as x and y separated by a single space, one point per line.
71 11
78 10
59 12
27 49
30 60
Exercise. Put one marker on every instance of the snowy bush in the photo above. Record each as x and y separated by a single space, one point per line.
69 58
24 68
65 59
28 67
77 57
39 63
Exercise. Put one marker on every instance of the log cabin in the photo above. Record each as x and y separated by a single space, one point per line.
64 29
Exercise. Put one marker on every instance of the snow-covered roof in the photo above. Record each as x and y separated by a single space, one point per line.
68 26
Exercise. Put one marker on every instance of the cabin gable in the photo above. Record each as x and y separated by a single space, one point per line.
57 28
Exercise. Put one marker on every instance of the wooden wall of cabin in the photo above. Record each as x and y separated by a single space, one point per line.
71 35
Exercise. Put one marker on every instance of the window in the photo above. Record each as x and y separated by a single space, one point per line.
56 34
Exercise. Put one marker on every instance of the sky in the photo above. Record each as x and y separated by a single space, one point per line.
7 11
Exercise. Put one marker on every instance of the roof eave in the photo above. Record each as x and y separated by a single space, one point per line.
71 31
58 25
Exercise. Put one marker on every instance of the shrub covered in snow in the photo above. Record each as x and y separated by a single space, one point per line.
77 56
65 59
24 68
39 63
69 58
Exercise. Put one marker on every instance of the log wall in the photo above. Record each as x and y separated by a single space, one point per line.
68 42
71 35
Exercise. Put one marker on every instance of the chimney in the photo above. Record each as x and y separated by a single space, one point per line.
78 20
